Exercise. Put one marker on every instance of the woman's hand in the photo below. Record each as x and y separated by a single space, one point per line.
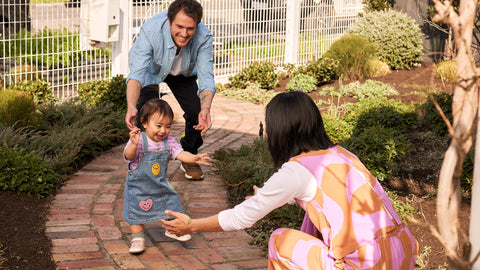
255 188
181 225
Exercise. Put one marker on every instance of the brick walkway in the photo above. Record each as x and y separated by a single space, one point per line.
88 232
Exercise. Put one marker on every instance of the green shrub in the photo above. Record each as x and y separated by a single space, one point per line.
390 113
25 173
302 82
402 208
262 72
337 129
353 53
447 71
39 89
379 148
105 91
43 47
369 89
24 73
252 93
16 108
374 5
431 117
75 133
323 69
397 36
378 68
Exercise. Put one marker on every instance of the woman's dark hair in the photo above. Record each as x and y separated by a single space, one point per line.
154 106
192 8
294 125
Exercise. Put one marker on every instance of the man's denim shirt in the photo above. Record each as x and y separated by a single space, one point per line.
155 42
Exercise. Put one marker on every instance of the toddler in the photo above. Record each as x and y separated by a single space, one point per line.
147 191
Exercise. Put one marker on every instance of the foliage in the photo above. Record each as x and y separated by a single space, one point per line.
374 5
466 180
378 148
2 254
105 91
431 117
385 112
24 73
402 208
323 69
369 89
16 108
337 129
447 71
302 82
39 89
26 173
378 68
379 133
74 133
353 53
262 72
43 47
252 93
397 36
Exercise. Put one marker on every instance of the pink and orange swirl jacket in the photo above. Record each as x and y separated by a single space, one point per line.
349 224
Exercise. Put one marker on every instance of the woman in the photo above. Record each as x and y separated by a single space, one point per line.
349 223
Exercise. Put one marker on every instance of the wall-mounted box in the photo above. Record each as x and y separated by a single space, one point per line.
100 20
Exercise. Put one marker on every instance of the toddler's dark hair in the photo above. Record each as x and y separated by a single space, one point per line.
155 106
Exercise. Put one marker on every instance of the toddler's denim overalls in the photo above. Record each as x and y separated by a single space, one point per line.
147 191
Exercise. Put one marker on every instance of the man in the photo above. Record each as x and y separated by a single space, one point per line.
176 48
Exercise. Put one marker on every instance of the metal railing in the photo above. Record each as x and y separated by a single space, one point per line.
41 40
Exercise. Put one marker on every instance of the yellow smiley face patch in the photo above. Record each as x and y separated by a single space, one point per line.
156 169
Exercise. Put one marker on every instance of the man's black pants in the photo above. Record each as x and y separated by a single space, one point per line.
185 91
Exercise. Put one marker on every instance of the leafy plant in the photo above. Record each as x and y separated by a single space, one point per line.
369 89
262 72
378 68
396 35
353 53
378 148
377 5
431 117
402 208
26 173
323 69
105 91
39 89
252 93
447 71
16 108
302 82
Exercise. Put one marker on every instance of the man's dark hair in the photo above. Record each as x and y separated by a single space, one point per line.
192 8
294 125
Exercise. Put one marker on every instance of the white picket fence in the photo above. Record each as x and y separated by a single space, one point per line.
245 31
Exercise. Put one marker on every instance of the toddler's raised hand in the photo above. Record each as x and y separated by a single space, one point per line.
135 135
202 159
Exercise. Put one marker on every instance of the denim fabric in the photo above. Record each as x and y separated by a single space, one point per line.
147 191
152 54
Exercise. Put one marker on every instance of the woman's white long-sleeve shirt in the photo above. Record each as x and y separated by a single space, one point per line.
291 181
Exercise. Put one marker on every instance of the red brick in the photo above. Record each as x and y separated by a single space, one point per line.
103 220
152 254
208 256
83 264
77 256
188 262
